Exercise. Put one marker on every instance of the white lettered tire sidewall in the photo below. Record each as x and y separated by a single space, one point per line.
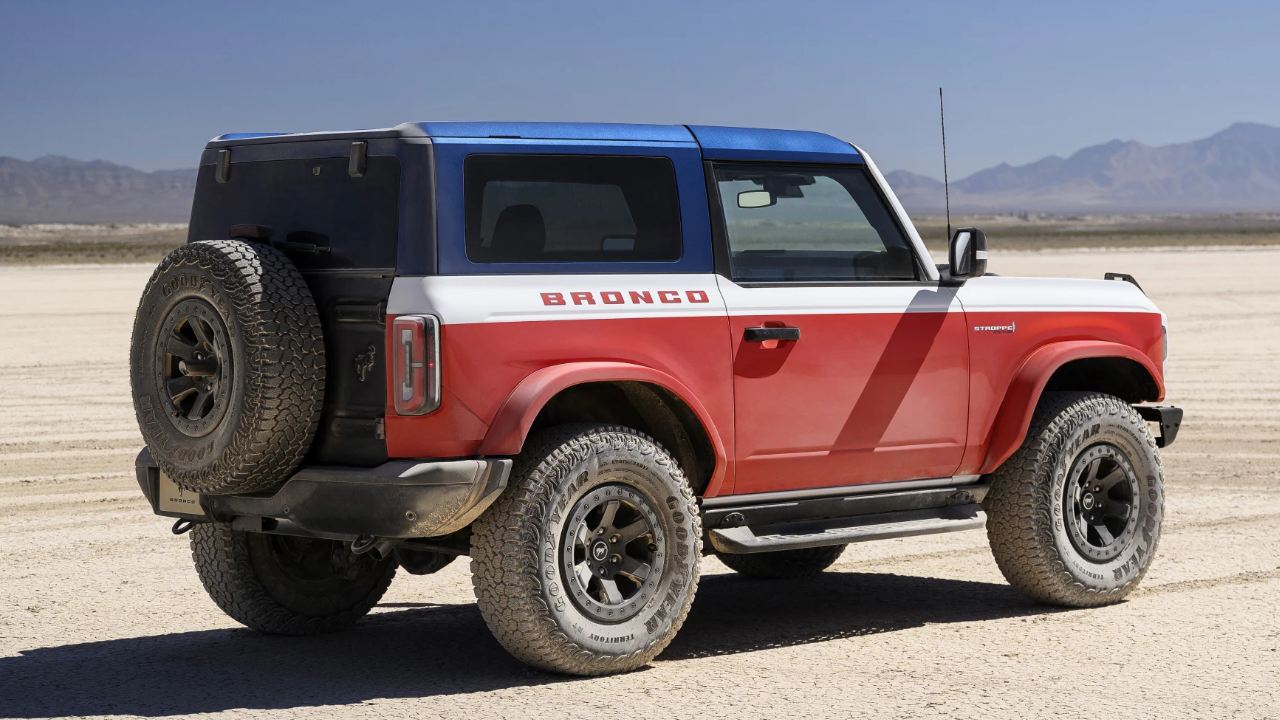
1026 513
660 601
1130 564
520 587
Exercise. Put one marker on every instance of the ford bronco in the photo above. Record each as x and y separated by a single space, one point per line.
586 355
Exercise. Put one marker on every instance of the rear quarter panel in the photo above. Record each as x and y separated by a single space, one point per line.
496 330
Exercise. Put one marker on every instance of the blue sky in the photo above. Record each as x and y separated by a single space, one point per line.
147 84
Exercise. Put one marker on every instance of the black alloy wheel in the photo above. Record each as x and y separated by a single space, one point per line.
193 366
1100 506
612 545
588 562
1074 515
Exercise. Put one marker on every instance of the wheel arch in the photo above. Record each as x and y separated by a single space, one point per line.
1084 365
637 396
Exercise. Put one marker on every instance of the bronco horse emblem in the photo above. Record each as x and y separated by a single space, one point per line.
364 362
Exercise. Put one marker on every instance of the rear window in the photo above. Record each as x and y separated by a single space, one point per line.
315 202
571 208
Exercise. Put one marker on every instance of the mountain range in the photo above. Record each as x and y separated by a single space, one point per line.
1237 169
59 189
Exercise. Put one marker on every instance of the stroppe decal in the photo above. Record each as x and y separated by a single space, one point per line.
1011 327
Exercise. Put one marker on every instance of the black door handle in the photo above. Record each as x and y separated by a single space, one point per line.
761 334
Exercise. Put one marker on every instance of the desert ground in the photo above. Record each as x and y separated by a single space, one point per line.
101 612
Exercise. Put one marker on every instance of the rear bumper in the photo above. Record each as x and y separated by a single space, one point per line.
398 499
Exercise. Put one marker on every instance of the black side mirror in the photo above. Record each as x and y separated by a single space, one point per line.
967 253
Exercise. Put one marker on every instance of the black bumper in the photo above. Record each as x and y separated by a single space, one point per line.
398 499
1170 419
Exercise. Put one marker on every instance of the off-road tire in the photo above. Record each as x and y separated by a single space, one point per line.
268 389
518 549
1028 503
243 573
783 564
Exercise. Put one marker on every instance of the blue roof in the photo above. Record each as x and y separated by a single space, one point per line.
717 143
730 143
558 131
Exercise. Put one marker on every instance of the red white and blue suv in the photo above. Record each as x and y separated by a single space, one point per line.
586 355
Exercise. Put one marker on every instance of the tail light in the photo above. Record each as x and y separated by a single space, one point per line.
1164 349
415 347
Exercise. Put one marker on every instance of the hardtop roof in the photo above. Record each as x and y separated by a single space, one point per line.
716 143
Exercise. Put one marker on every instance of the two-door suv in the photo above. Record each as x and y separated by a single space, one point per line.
586 355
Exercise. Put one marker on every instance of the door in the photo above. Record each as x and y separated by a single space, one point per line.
848 366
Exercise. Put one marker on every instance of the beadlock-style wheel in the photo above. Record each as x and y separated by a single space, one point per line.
613 544
227 367
1074 514
194 366
1100 506
588 562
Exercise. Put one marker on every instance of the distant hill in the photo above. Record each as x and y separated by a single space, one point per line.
1235 170
59 189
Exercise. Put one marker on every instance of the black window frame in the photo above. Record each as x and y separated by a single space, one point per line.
677 219
720 235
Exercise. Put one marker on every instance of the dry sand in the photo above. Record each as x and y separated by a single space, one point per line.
101 612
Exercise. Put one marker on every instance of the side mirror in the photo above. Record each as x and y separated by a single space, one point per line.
967 253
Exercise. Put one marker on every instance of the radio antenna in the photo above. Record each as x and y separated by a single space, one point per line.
946 184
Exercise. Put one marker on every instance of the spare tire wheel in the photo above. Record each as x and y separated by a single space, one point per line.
227 366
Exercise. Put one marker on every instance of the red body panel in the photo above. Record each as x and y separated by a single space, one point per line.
483 363
860 398
997 358
863 397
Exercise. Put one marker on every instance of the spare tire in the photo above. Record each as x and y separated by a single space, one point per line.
227 366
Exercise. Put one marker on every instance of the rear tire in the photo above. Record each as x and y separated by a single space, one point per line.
286 585
1074 515
588 563
783 564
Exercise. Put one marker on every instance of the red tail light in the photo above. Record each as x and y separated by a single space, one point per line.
415 347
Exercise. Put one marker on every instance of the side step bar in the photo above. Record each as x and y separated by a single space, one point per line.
839 531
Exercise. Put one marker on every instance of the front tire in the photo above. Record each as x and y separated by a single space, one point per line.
284 585
1075 513
588 563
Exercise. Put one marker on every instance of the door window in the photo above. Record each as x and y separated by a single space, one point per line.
806 224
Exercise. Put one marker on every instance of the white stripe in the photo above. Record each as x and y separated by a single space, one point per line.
464 299
1015 294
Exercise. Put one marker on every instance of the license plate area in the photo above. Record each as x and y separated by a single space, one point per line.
175 500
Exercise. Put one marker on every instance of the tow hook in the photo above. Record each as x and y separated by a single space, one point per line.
183 526
377 548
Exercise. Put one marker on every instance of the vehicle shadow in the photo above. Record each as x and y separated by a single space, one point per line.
446 649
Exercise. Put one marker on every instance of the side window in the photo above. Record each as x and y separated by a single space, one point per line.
805 224
571 208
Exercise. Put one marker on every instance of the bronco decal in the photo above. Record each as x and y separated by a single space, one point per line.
633 297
